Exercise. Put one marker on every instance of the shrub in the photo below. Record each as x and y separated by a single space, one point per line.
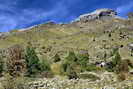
117 59
69 63
15 61
71 57
45 69
109 35
71 73
114 50
77 63
83 60
57 58
32 61
44 66
73 64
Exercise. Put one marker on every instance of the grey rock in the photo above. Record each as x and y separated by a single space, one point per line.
130 46
97 14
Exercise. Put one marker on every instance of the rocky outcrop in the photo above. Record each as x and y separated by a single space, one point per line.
97 15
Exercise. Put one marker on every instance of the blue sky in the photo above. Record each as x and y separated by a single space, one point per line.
16 14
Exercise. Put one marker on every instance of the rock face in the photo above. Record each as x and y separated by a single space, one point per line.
97 14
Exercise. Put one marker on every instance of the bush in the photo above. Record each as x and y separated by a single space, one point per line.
71 73
83 60
71 57
77 63
32 61
15 61
44 66
117 59
115 50
69 64
45 69
57 58
73 64
64 67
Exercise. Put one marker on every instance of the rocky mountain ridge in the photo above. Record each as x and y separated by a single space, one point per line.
98 34
97 14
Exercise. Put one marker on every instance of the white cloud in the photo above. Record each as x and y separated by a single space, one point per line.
29 15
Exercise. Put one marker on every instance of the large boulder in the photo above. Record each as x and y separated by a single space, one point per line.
97 14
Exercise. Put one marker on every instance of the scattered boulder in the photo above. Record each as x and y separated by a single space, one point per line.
131 71
100 64
130 46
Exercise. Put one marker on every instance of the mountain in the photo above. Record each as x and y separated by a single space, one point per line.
98 34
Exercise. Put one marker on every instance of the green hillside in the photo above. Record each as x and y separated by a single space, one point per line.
71 51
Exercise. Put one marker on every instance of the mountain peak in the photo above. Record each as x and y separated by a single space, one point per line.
97 14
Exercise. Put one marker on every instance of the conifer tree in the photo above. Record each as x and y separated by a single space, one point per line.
117 59
32 60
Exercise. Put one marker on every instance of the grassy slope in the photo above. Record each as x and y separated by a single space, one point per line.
77 36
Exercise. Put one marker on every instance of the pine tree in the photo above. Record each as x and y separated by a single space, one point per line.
32 60
70 60
117 59
83 60
71 57
44 65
